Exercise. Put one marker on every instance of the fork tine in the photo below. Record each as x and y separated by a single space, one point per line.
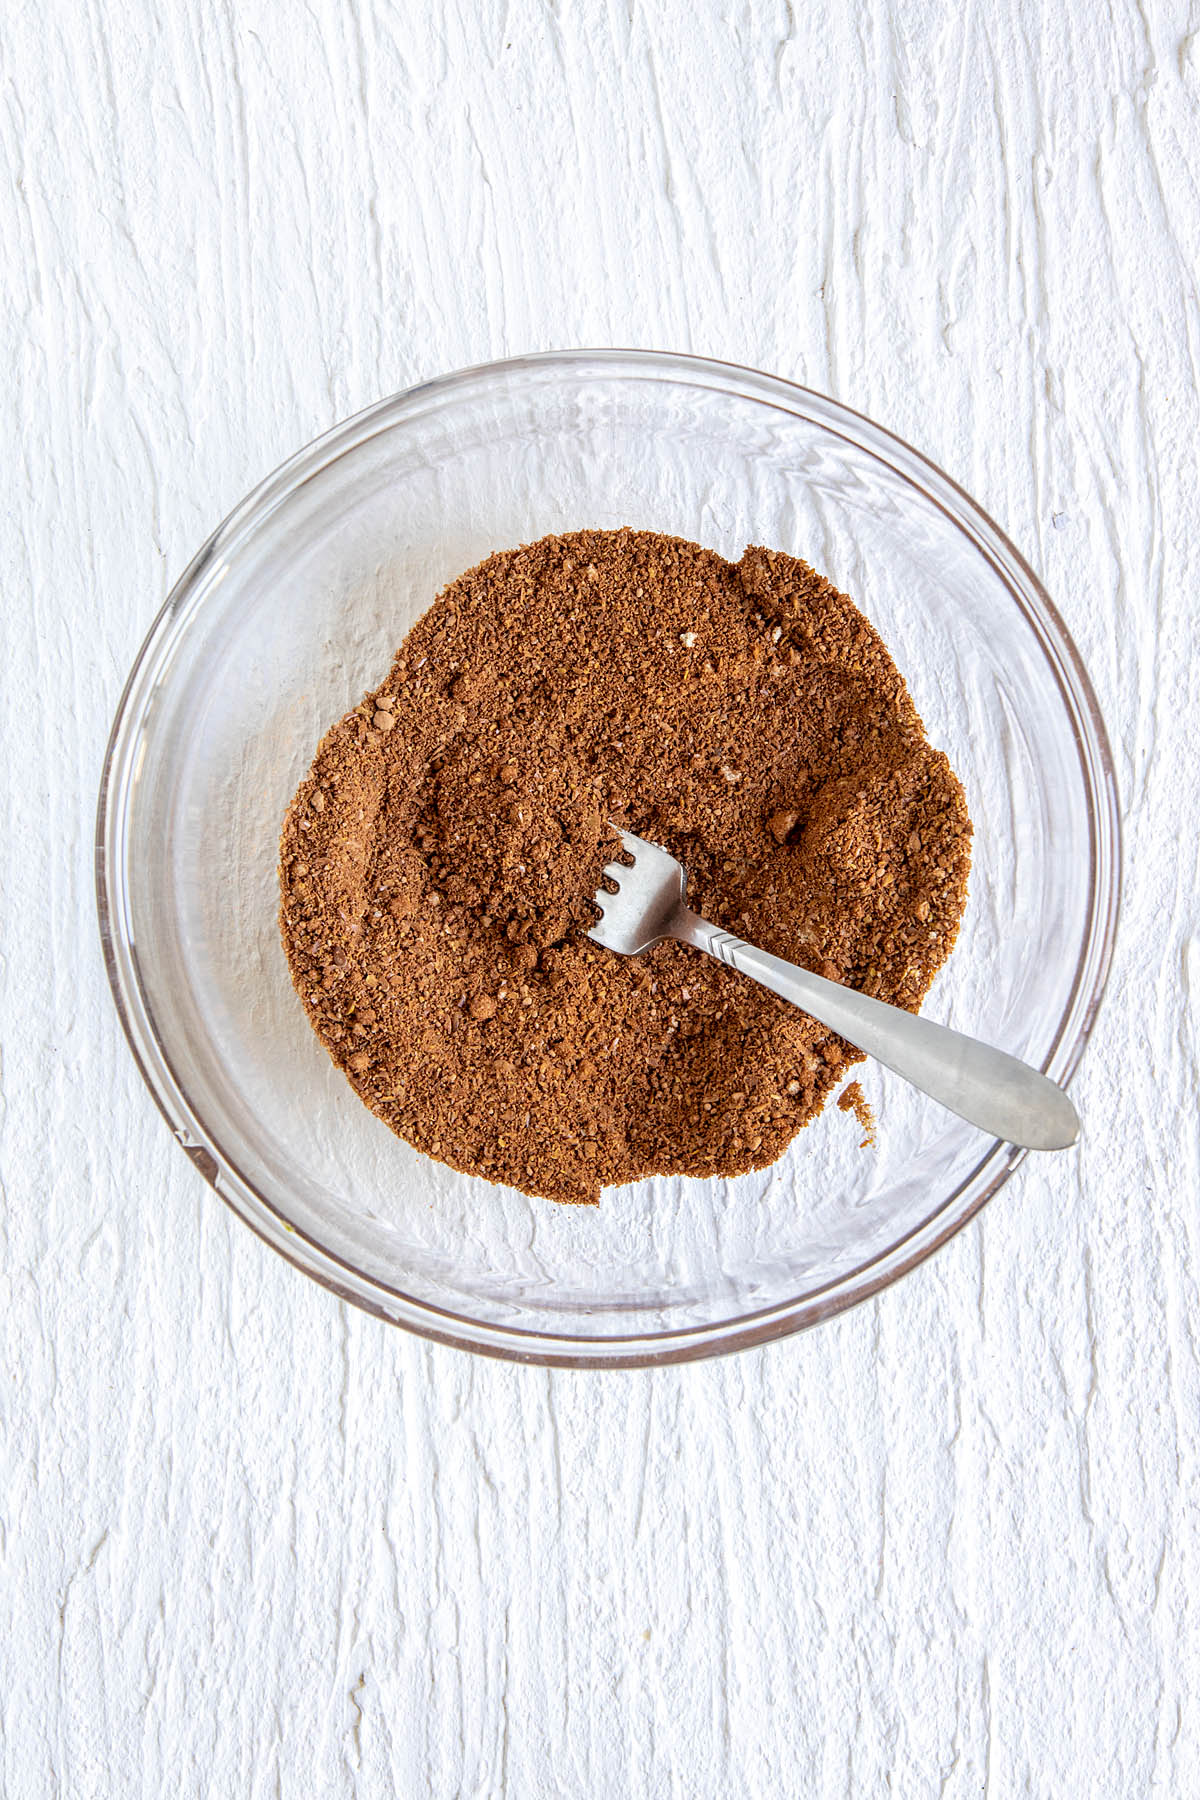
615 870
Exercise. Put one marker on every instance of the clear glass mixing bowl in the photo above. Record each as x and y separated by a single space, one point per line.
295 607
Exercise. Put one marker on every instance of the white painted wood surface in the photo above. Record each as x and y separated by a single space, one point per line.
252 1543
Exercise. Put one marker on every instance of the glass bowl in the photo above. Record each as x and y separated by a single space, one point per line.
295 606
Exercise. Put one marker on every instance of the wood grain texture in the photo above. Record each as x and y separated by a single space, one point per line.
254 1543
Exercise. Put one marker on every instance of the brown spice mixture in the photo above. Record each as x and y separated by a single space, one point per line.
852 1099
437 865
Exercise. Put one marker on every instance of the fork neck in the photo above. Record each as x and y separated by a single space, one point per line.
689 928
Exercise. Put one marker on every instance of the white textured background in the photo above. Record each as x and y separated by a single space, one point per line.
252 1543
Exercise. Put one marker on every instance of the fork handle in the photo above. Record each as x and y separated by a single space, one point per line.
986 1086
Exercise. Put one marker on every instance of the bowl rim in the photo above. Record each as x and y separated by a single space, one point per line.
520 1343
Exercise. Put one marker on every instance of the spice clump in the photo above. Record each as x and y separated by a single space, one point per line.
438 862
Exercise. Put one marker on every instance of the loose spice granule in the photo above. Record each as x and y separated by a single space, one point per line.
437 864
852 1099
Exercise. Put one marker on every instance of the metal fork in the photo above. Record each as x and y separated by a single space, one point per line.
983 1085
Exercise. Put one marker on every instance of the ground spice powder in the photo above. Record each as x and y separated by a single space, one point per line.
438 863
852 1099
